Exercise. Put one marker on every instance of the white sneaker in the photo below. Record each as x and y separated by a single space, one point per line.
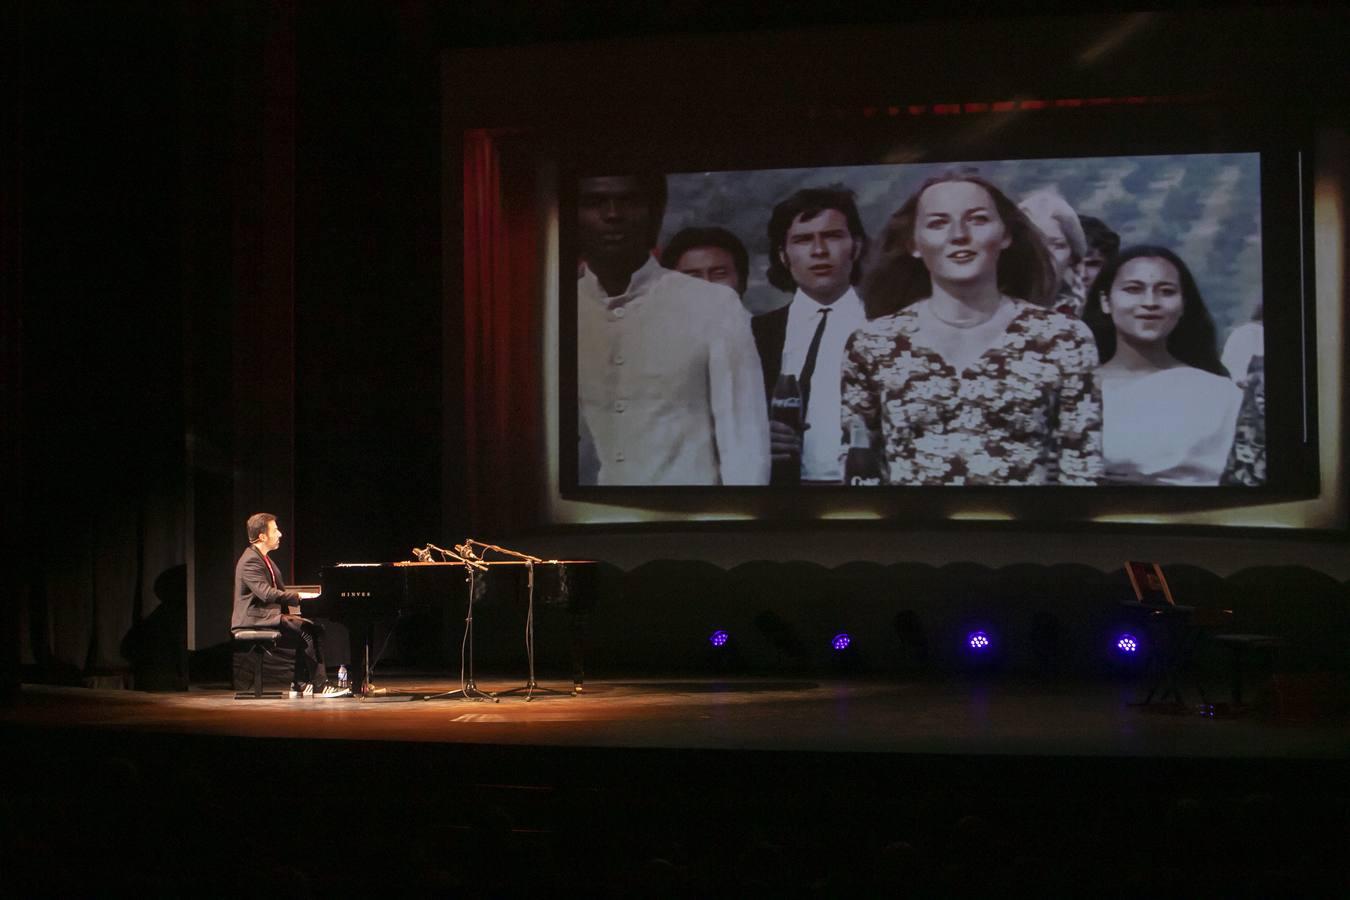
300 689
330 690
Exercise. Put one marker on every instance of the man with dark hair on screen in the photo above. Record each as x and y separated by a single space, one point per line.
668 383
261 600
816 244
1102 245
712 254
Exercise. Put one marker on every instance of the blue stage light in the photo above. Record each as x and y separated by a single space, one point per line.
719 638
841 641
1127 643
978 641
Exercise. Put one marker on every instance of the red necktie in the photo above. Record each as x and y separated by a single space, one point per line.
272 570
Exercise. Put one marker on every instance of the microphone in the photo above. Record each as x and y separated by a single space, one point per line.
465 554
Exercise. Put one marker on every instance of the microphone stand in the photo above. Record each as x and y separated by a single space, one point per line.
468 690
531 687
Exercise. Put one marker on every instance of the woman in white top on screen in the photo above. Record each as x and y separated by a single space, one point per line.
1169 408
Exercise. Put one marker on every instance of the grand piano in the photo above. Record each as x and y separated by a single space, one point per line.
359 595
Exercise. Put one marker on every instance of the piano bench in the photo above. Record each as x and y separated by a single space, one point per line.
259 644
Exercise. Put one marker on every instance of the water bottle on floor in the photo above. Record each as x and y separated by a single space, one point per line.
342 676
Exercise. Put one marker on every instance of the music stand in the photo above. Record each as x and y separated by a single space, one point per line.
467 690
1149 583
532 687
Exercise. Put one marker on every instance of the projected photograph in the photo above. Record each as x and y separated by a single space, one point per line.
1077 322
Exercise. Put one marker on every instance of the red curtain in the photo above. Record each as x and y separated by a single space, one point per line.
502 328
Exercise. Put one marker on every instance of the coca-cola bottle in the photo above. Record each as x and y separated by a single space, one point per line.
861 466
785 406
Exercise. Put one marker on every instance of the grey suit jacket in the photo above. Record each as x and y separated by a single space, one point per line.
257 601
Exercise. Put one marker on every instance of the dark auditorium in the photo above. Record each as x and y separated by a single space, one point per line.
696 449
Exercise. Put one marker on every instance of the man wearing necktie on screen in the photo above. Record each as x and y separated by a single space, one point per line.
816 242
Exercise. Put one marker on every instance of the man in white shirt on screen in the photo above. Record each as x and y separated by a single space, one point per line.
668 382
816 242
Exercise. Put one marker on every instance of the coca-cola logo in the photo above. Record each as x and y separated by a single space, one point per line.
787 410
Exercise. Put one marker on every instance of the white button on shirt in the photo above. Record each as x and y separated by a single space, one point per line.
669 383
820 444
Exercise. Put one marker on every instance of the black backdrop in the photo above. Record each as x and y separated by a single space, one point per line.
224 244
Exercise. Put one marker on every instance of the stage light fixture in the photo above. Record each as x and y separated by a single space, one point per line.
719 638
978 641
1127 644
841 641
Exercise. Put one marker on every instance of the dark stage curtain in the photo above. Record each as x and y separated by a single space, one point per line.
502 328
12 71
99 403
156 309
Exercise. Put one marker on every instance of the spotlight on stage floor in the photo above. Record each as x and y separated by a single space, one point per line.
1126 651
723 655
844 653
982 649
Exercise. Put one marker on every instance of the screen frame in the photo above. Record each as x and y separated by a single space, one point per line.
1117 129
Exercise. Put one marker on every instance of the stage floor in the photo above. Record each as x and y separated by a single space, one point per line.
724 785
962 716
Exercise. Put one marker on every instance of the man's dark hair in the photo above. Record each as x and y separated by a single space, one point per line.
806 204
687 239
653 187
1099 236
257 525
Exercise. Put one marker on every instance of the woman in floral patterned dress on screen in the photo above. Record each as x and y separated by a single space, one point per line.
964 374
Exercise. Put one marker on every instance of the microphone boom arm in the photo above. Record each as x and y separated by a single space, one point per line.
470 542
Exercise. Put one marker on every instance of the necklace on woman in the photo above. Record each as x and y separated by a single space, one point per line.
965 323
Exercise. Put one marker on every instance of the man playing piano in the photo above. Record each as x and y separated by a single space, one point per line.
259 595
